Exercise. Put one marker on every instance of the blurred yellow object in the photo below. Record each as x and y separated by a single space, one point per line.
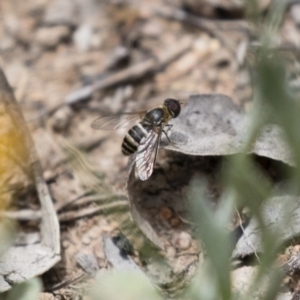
15 169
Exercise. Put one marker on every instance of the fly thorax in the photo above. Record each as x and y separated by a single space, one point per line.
154 117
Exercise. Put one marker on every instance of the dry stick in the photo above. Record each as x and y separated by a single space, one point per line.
213 27
81 200
291 265
243 229
87 200
69 216
131 73
49 226
90 142
31 215
68 282
23 215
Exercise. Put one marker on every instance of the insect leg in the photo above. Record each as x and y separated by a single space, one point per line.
165 133
169 127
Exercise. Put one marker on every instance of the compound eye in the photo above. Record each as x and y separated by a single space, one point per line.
173 106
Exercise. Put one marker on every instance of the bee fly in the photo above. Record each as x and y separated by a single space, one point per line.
144 137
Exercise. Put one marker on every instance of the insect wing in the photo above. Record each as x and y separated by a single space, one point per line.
146 154
117 121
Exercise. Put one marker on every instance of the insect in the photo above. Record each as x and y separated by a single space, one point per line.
144 137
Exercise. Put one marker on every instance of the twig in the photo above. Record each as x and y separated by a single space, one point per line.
23 215
213 27
70 216
31 215
291 265
89 143
67 282
131 73
243 229
87 200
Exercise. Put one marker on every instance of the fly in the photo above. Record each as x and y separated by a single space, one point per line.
144 137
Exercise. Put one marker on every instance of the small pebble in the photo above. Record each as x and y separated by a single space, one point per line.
151 29
94 233
174 222
50 37
281 259
182 241
165 213
288 252
46 296
61 119
48 174
83 37
295 250
86 240
171 252
60 12
65 244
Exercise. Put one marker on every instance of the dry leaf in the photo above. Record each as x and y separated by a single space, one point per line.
32 253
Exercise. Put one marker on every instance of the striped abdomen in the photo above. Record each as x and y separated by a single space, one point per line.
133 138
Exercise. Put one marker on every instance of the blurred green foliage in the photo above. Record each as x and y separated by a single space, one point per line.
123 285
244 184
7 234
28 290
